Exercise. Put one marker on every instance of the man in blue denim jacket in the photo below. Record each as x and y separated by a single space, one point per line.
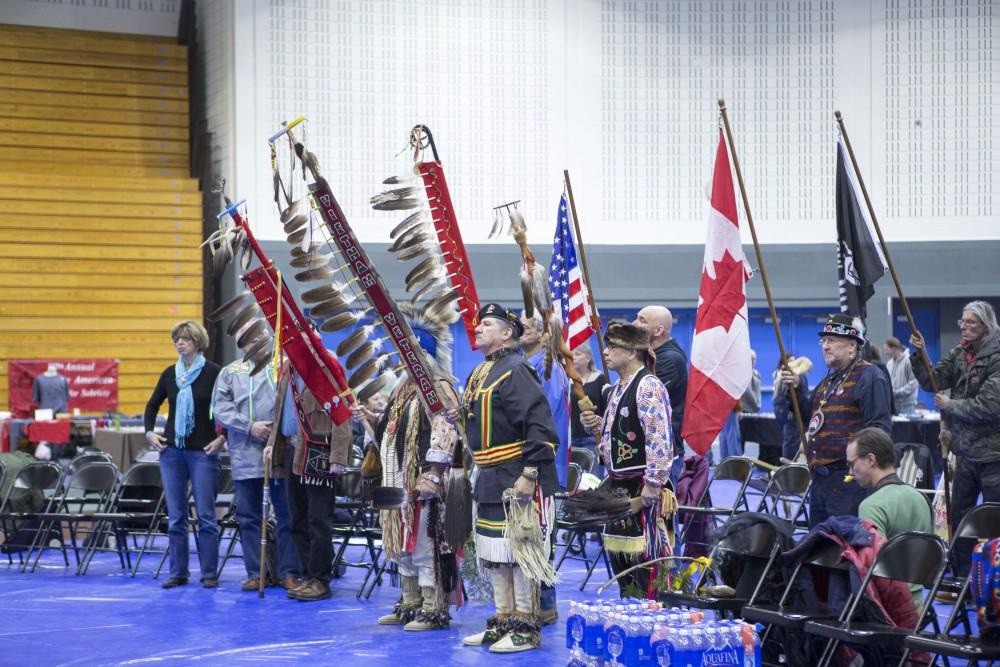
244 405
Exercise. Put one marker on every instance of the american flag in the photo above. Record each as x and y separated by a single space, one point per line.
569 294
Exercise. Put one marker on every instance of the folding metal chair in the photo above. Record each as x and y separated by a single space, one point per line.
981 523
576 545
732 473
91 486
759 541
792 610
913 558
585 458
136 507
786 495
42 477
359 526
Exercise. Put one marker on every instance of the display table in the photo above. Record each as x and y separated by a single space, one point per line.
762 428
55 432
123 446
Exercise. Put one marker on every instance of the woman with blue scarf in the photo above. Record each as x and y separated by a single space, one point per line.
188 451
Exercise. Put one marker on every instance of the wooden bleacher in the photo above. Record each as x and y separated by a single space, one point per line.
99 219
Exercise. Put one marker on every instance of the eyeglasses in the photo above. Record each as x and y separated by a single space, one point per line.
968 323
851 462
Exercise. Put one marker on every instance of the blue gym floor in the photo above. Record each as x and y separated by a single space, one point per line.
106 617
53 617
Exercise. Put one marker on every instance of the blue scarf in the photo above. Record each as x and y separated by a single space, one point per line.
184 409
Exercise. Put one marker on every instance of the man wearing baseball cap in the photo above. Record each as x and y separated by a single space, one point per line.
853 395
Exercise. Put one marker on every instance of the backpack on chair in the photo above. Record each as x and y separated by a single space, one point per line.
985 587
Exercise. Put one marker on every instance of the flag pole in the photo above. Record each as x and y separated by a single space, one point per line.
924 357
792 391
595 320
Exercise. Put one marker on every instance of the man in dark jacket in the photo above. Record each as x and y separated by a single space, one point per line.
971 371
671 368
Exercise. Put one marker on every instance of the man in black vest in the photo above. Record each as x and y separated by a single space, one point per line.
636 446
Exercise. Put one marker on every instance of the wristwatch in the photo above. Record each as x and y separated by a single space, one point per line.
530 474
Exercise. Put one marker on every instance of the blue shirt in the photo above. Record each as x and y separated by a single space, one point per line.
556 390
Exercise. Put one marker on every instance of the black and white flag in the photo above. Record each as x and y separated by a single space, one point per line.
860 262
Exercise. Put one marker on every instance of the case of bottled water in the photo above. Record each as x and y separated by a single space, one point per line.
642 633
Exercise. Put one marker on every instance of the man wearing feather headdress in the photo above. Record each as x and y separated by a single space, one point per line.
512 437
416 455
636 446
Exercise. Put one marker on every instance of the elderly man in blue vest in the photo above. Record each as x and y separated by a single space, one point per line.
854 395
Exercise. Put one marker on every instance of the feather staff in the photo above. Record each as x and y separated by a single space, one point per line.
320 371
431 232
391 318
535 290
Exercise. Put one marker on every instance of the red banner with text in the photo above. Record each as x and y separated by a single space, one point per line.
93 383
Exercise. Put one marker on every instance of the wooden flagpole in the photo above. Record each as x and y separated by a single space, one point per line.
924 357
595 320
792 391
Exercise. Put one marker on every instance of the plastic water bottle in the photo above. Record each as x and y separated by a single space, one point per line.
660 645
640 653
682 649
575 624
751 646
697 650
616 639
593 634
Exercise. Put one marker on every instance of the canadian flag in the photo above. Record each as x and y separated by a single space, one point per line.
720 352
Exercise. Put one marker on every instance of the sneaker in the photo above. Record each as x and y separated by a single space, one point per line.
290 581
251 584
174 582
311 591
210 582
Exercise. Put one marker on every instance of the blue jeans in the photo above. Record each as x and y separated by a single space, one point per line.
178 467
831 495
249 508
729 437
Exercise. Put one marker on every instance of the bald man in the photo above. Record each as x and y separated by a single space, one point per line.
671 367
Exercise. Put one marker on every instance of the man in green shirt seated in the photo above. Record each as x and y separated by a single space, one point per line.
892 505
